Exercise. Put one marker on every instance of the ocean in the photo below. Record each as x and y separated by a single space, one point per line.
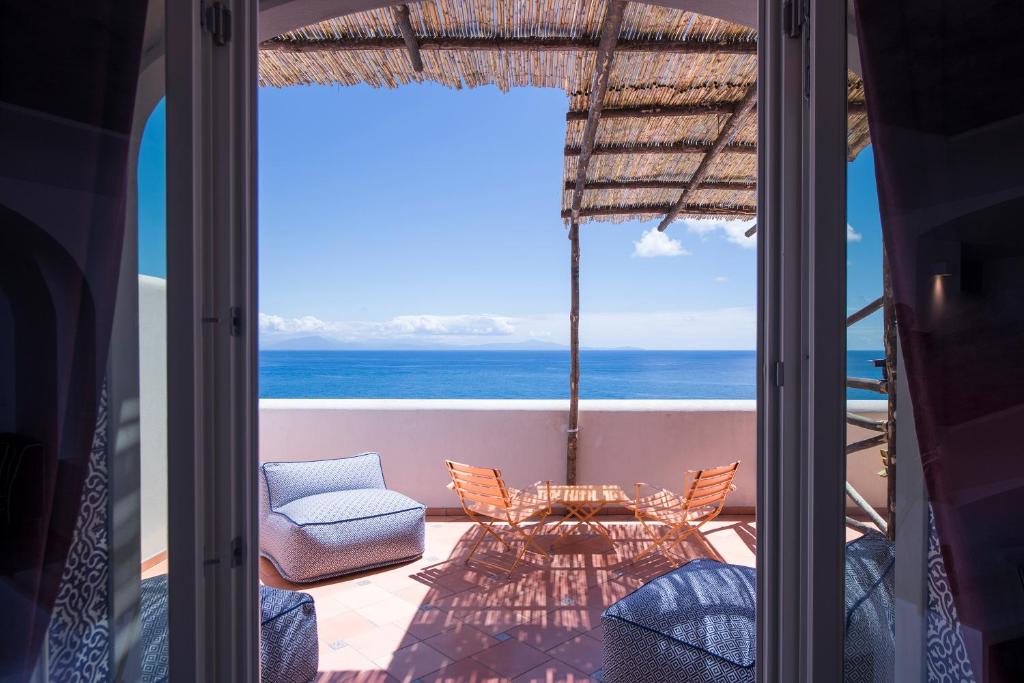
522 374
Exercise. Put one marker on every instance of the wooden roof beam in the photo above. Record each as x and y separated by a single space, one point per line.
412 44
610 28
673 148
689 210
729 130
738 185
656 111
560 44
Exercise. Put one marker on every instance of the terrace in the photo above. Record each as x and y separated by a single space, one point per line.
660 125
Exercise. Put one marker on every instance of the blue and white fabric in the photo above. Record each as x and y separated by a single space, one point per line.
870 650
288 637
326 518
946 659
698 623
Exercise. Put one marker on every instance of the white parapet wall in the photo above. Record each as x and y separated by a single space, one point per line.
621 442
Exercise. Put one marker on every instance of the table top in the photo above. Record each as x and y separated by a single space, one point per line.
581 494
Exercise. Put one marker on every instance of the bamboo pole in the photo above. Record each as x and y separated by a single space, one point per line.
725 137
889 327
572 443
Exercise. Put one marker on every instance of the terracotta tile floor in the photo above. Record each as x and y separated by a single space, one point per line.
438 621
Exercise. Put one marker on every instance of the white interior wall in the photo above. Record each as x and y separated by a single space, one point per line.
153 413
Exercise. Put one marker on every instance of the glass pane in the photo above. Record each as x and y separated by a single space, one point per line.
946 135
76 91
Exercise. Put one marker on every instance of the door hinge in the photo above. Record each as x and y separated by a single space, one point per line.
237 551
236 321
215 19
779 372
793 18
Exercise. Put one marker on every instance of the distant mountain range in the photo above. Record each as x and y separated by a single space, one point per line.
317 343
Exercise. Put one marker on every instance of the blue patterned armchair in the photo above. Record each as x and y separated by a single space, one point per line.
325 518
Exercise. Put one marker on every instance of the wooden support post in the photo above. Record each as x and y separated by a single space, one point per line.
602 69
729 130
572 445
738 185
868 510
864 312
554 44
699 147
889 340
689 210
409 37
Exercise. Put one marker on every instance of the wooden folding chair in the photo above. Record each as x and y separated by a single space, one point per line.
488 502
683 515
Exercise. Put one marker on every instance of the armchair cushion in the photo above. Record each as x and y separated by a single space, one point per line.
288 481
354 505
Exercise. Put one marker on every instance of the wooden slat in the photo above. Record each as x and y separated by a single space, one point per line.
484 500
409 37
657 111
738 185
864 444
699 147
470 469
713 471
690 210
865 422
875 385
610 28
856 317
725 137
554 44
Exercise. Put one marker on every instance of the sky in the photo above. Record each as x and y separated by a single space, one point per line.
427 215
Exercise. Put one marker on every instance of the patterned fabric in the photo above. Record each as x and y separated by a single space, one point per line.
697 623
870 649
330 508
341 519
288 481
946 656
704 604
288 637
79 631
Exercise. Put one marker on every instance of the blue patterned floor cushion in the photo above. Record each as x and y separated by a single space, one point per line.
288 638
870 651
697 623
325 518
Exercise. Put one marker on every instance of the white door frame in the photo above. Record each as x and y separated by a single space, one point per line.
211 312
802 339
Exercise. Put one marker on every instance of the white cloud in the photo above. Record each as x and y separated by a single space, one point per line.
852 235
721 279
653 244
402 326
733 230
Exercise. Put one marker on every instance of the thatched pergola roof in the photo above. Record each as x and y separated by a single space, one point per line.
674 134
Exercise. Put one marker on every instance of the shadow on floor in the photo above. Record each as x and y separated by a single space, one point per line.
438 620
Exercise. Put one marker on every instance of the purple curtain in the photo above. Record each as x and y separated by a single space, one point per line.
68 73
945 97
